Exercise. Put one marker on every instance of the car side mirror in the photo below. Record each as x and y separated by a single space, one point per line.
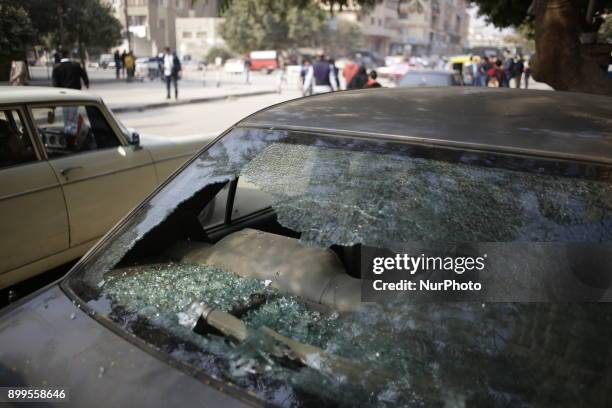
134 139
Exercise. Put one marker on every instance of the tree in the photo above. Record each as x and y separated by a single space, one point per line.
271 24
70 24
346 36
16 33
561 59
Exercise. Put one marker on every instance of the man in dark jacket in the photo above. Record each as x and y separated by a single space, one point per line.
68 73
171 68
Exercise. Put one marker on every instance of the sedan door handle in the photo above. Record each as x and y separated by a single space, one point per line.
64 172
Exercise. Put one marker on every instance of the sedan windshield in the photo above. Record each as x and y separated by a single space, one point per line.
248 268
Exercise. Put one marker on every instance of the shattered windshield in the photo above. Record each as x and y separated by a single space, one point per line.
246 268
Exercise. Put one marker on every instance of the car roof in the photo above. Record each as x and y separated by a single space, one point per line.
543 123
15 95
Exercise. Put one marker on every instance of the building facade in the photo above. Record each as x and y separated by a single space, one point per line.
153 23
412 27
195 36
434 27
379 26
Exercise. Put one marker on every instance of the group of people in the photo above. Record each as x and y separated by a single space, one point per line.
501 72
323 76
125 65
168 64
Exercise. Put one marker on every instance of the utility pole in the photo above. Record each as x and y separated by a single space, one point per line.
127 25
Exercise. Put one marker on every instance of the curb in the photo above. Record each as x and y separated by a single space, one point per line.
158 105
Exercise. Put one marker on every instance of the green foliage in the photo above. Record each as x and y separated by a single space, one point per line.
345 37
271 24
70 23
215 52
16 32
504 13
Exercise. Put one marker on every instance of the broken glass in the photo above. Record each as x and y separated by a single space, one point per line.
337 192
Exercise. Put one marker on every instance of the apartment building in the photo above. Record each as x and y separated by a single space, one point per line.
152 23
412 27
195 36
434 27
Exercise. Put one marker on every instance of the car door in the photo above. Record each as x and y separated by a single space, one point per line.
33 218
101 176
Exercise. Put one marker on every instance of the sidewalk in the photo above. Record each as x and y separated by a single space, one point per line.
140 95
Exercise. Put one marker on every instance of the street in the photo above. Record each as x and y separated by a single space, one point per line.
207 119
231 101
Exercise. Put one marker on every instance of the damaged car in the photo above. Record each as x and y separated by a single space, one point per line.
240 281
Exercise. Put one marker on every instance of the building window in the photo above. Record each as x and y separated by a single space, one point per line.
137 20
162 23
201 34
372 21
187 34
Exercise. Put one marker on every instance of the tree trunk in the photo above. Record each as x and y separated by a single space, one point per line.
560 58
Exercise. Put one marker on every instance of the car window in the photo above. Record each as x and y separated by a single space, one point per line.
71 129
248 199
425 79
289 324
15 145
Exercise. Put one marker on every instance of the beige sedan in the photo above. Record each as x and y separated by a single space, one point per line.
69 171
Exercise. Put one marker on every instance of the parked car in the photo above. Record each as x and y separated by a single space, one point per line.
148 67
234 66
239 281
69 171
426 77
106 61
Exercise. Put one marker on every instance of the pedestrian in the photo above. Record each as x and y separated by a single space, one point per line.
172 71
497 75
372 82
57 57
527 72
360 79
508 68
130 66
332 62
247 69
69 74
118 64
519 66
282 76
349 71
123 57
320 76
19 75
483 71
306 64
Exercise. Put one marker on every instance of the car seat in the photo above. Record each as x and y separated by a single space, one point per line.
315 274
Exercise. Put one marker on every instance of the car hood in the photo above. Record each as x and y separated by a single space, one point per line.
169 147
49 342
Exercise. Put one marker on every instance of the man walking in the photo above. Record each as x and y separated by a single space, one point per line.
118 64
172 70
508 67
518 71
68 73
321 76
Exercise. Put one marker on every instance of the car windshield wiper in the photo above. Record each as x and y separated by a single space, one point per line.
200 315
